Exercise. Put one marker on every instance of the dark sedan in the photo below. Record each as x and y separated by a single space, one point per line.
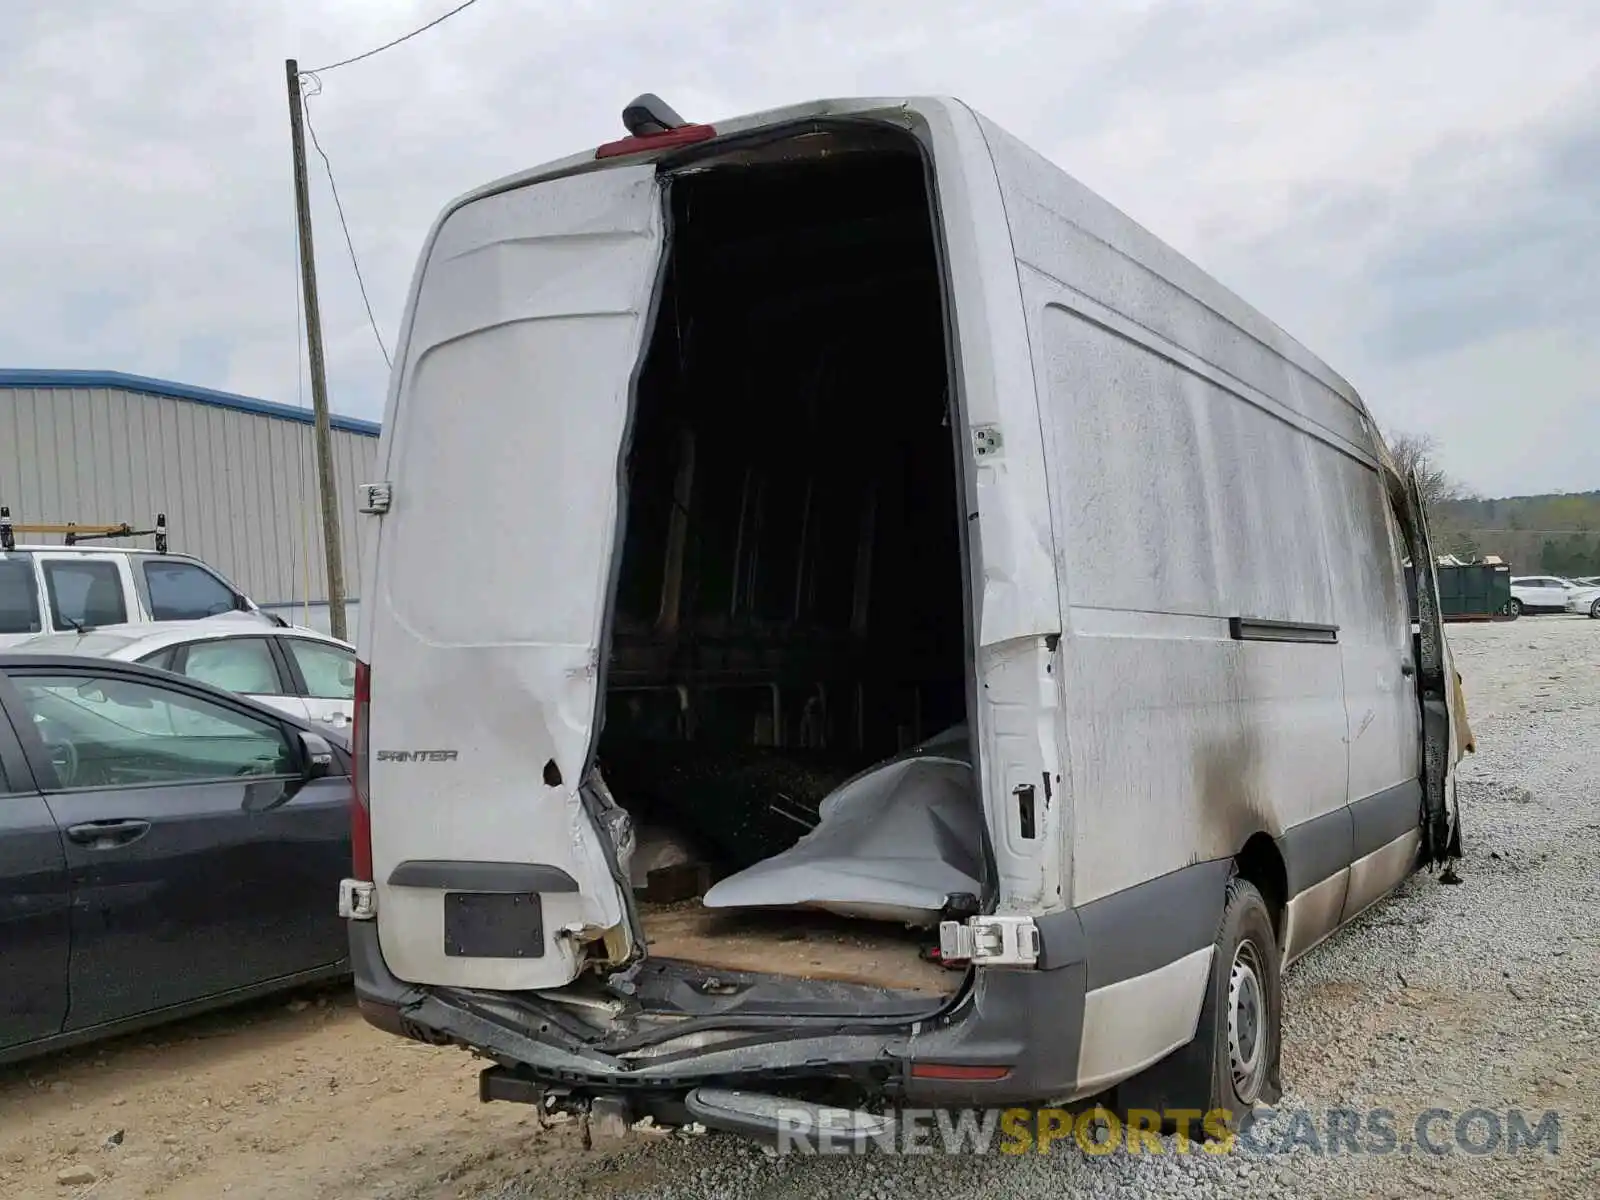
165 847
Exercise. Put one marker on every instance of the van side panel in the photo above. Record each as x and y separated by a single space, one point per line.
1180 429
1201 467
1188 508
1384 722
1058 225
1017 616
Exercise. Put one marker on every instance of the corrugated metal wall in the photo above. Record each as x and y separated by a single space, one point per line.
239 489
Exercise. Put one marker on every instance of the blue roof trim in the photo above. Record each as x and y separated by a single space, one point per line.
22 378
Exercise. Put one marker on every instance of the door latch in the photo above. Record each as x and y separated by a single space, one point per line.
990 941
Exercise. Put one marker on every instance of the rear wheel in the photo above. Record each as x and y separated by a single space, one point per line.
1248 1025
1514 607
1233 1062
1246 992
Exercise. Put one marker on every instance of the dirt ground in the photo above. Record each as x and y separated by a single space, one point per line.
1464 995
295 1098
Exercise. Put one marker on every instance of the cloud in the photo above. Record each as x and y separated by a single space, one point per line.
1408 188
1511 243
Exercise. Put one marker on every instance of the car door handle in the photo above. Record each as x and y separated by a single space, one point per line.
1407 670
106 835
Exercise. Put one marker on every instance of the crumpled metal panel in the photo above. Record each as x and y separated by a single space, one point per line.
893 844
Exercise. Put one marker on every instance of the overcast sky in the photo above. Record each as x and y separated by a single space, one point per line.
1410 188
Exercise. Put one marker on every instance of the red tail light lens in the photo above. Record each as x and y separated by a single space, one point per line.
360 794
685 135
964 1072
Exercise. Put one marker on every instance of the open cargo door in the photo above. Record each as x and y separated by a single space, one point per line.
493 848
1443 721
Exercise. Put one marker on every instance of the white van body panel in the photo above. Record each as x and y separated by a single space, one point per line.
1212 422
1150 465
530 300
549 282
1018 607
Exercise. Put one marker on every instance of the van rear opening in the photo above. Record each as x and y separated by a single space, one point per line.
789 606
676 529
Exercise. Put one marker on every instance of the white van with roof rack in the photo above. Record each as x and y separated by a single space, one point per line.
853 617
72 587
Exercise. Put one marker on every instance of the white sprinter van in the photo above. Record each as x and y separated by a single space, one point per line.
725 462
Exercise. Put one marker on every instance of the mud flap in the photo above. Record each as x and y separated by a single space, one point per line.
1181 1081
1191 1079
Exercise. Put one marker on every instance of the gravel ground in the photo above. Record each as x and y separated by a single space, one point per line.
1476 996
1452 997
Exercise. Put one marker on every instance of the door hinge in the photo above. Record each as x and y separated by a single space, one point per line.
992 941
358 900
376 497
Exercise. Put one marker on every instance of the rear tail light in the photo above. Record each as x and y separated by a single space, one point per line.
360 793
964 1072
683 135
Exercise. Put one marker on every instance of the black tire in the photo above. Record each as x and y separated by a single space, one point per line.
1514 608
1247 992
1594 610
1202 1074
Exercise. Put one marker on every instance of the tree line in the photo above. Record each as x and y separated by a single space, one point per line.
1550 534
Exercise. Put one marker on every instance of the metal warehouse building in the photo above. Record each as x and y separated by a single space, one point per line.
235 477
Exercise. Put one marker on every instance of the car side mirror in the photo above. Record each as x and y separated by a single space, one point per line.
316 756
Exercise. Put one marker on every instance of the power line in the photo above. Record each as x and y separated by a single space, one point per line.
344 225
390 45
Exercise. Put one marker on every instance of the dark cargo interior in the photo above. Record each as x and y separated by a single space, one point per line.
789 604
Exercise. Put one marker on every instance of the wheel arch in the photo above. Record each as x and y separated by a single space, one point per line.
1261 862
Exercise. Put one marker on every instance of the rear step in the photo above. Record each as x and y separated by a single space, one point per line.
776 1122
790 1125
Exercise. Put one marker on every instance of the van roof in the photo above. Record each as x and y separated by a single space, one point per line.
810 110
1103 219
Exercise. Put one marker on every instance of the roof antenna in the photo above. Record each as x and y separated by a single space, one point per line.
649 114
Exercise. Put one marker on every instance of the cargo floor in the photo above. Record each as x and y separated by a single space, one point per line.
796 944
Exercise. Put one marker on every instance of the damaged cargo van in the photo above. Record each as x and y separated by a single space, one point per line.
845 508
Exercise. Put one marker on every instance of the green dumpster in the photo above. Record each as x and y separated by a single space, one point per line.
1478 591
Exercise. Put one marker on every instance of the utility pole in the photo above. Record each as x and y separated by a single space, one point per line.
326 484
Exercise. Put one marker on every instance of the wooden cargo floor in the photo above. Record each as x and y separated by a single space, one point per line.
798 944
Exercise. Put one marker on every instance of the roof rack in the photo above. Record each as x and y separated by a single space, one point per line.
73 533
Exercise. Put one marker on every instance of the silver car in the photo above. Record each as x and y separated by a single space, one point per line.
298 671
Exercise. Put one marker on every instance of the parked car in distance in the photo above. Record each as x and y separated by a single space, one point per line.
165 847
1552 594
49 589
306 674
1585 600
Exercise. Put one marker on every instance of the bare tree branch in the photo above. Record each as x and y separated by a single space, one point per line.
1418 452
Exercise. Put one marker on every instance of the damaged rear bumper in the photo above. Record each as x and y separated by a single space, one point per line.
1012 1037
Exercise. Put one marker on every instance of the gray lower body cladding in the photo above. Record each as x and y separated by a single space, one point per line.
1030 1022
1010 1037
